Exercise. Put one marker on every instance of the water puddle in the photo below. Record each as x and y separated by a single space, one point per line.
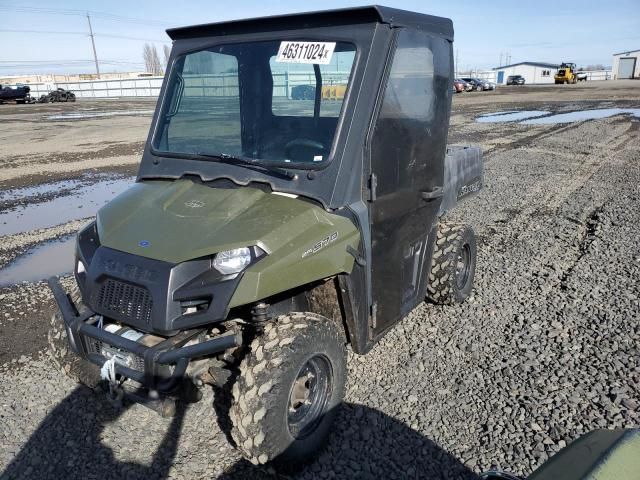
43 189
81 202
38 190
40 262
541 117
583 115
512 116
84 115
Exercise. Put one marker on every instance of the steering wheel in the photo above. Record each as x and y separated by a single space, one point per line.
302 144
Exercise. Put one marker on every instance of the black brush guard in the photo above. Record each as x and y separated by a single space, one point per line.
80 326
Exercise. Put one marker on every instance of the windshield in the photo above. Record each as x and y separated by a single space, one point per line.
275 101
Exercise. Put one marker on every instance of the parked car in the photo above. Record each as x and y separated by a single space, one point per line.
20 94
581 76
58 95
467 86
459 86
479 84
515 80
492 85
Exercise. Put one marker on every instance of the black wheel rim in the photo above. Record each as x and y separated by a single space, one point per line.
463 266
309 396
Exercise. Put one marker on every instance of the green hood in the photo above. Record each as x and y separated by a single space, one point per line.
182 220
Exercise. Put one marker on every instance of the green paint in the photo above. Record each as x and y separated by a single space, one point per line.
183 220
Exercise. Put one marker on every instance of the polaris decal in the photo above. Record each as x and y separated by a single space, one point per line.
473 186
321 244
129 271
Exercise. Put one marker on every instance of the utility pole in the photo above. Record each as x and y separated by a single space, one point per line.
93 44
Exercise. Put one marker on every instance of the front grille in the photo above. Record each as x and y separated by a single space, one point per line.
125 301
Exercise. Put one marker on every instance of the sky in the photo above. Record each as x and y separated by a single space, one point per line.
38 36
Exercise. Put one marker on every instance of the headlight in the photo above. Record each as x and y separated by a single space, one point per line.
232 261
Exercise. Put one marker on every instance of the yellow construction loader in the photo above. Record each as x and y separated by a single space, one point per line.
566 74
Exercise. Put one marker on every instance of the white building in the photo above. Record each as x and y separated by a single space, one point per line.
533 72
626 64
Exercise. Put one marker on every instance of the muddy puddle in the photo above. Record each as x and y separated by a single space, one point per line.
89 114
40 262
78 199
541 117
48 189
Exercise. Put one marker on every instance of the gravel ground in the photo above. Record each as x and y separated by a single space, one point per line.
546 348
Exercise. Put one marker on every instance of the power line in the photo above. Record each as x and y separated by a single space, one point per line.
82 13
110 35
63 61
8 30
132 38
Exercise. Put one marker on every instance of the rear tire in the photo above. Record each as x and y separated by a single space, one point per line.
64 359
453 266
290 385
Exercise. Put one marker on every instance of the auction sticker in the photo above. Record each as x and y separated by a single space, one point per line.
306 52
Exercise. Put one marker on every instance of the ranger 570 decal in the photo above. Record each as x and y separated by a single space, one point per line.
321 244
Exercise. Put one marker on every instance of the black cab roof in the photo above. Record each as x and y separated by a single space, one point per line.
368 14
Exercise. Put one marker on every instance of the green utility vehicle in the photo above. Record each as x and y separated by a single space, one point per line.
268 232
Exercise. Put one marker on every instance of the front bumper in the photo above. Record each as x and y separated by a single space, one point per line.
163 364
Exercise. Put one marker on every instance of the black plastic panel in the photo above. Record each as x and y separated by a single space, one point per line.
146 294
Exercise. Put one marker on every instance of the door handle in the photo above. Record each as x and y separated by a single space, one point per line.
432 194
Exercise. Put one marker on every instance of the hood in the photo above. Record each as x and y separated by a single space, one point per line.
179 220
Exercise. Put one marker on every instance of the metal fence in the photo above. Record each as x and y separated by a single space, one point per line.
218 85
223 85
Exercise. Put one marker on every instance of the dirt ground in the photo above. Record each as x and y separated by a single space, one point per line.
558 283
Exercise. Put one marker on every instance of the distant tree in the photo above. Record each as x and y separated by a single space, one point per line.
597 66
148 57
151 59
157 66
167 51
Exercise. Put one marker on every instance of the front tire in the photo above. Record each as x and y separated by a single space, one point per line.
290 385
453 266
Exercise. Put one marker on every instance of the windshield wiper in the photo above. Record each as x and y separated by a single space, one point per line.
234 160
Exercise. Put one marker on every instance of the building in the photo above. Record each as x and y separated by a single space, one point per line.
626 64
533 72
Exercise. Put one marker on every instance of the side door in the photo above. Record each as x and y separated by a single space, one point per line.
407 145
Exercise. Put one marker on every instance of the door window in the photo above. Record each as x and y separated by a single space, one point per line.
405 116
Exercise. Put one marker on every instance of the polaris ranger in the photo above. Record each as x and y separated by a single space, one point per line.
266 234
